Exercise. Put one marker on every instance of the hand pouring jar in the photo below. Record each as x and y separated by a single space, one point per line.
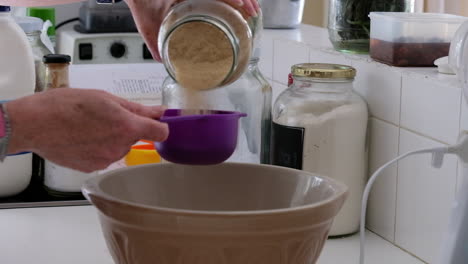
250 93
205 44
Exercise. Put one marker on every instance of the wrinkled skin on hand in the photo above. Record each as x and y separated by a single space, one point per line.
86 130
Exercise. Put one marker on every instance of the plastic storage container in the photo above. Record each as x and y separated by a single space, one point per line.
17 79
411 39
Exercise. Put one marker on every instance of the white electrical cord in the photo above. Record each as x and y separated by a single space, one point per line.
460 150
437 159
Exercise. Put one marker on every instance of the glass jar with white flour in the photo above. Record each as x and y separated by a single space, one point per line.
320 126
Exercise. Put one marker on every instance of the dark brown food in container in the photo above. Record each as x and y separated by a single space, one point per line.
404 54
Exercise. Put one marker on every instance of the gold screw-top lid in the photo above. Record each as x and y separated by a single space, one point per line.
323 71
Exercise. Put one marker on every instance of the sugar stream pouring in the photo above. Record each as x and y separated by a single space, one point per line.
207 47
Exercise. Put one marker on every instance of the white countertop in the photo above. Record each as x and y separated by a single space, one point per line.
72 235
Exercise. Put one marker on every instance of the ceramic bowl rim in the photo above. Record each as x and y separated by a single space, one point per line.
92 186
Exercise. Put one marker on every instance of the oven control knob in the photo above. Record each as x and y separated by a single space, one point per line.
118 50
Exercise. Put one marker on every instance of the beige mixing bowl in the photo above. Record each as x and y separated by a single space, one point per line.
231 213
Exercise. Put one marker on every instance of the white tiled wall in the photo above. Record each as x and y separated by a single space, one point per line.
430 108
277 89
383 147
462 168
285 54
380 85
424 198
322 56
411 108
464 117
64 12
266 55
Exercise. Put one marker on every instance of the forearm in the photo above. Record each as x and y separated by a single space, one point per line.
23 126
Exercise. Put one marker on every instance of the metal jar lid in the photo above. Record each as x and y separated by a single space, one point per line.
323 71
56 58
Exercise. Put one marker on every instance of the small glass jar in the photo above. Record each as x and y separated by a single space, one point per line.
32 26
205 44
250 94
320 126
56 71
349 22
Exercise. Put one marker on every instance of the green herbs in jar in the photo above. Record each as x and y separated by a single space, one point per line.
349 22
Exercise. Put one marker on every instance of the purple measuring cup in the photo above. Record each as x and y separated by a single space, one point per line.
199 139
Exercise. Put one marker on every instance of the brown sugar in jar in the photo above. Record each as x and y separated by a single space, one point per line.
205 44
56 71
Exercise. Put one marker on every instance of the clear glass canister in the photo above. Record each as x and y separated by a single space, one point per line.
32 26
250 94
349 22
205 44
320 126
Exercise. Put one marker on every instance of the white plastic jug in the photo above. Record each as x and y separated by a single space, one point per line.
17 79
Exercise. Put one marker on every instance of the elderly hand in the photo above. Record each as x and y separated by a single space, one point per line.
85 130
149 14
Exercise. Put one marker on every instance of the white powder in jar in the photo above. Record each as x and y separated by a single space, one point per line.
334 146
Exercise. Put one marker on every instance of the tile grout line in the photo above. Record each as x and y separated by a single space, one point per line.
397 164
402 249
425 136
412 131
385 121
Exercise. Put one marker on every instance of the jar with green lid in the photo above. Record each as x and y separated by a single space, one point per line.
32 26
320 126
46 14
205 44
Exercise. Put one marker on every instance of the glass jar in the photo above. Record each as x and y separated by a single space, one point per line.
205 44
349 22
32 26
320 126
56 71
250 94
